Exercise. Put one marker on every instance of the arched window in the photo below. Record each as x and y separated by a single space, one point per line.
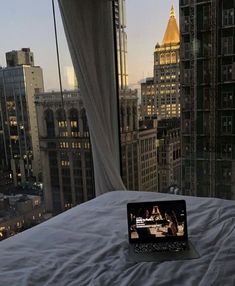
168 58
50 126
162 59
173 57
61 118
62 123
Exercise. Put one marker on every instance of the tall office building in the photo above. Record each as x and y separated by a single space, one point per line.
160 94
65 150
208 97
19 146
120 22
169 154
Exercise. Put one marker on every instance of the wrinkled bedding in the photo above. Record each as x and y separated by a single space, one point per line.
88 245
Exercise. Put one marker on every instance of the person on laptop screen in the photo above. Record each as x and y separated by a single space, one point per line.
172 223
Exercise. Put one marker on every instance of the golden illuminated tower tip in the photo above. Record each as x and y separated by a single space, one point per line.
171 35
172 13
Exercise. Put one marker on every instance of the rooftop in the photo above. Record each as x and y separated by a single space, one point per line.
171 35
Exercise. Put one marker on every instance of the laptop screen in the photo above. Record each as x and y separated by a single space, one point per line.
157 221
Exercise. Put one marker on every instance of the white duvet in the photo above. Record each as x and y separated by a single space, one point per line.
88 245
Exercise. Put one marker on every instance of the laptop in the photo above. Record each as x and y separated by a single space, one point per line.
158 231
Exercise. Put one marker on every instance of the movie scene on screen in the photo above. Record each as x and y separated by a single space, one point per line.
157 220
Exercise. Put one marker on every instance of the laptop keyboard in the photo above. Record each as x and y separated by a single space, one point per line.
160 247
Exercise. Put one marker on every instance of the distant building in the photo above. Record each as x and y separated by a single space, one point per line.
160 94
121 36
19 212
19 144
65 150
19 58
148 155
129 138
207 31
169 154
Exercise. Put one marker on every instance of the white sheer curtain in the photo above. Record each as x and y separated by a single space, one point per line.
88 26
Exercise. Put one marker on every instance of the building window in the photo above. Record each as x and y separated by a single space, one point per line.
173 57
76 145
49 118
226 174
74 134
227 71
228 17
226 124
62 124
185 24
227 99
65 163
226 151
206 17
64 145
168 58
63 134
227 45
74 124
162 59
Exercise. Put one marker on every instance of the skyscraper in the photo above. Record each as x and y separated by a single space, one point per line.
160 94
121 37
19 81
208 97
169 161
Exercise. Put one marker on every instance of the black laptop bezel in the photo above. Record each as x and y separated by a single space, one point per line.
158 239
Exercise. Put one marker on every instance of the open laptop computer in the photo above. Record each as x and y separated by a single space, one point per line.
158 231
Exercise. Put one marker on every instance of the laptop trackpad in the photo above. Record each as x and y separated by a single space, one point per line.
189 253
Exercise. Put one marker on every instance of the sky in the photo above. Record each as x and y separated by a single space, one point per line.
29 24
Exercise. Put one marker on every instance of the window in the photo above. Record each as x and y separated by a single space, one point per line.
162 59
227 99
206 17
227 45
227 72
62 124
226 151
228 17
226 124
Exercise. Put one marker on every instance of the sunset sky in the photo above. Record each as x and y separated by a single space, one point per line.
29 23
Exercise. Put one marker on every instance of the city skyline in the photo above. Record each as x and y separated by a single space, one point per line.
27 30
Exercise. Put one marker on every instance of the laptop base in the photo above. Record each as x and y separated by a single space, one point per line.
189 253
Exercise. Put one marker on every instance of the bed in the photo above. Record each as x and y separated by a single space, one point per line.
88 245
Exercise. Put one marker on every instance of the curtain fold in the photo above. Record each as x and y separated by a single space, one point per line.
88 26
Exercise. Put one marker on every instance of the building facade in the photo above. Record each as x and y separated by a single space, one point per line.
129 138
208 97
160 94
169 154
138 145
148 155
19 145
65 150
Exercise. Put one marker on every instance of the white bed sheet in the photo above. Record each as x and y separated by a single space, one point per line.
88 245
